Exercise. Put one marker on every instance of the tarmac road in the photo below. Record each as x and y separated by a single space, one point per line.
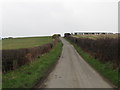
72 71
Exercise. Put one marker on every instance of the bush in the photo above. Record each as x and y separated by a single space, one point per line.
56 36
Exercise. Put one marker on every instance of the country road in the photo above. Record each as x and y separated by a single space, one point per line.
72 71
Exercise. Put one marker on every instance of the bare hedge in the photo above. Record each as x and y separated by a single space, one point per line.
104 49
12 59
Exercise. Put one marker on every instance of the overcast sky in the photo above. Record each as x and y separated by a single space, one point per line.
46 17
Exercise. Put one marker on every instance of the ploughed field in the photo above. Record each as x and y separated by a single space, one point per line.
28 42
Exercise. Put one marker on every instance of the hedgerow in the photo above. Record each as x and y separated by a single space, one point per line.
103 49
12 59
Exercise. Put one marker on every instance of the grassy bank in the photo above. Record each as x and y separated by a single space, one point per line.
104 69
28 75
28 42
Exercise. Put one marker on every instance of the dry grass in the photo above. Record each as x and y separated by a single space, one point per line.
97 36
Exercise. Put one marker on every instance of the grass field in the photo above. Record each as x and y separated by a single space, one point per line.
97 36
28 75
17 43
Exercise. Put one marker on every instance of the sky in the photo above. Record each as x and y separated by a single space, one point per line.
47 17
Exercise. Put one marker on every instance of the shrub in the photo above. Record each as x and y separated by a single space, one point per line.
56 36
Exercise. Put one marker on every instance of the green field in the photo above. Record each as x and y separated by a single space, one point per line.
97 36
28 42
28 75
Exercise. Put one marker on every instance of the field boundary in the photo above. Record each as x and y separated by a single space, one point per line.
28 76
93 63
12 59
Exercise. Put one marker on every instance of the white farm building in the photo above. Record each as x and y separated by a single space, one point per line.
91 33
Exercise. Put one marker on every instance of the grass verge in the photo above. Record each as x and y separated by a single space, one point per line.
104 69
28 75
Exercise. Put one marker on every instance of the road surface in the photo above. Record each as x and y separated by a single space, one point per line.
72 71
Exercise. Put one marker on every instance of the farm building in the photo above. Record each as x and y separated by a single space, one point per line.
91 33
66 34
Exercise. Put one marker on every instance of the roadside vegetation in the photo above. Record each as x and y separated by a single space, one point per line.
101 54
27 42
28 75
